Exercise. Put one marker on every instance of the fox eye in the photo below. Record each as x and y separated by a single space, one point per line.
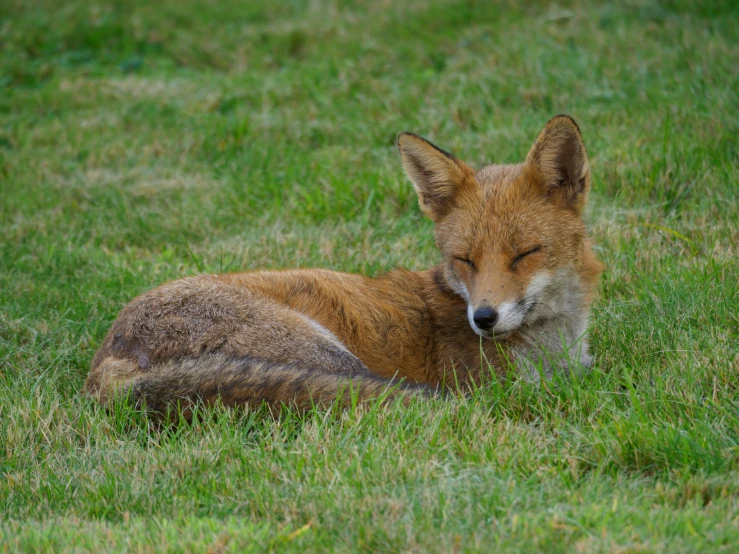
465 261
520 257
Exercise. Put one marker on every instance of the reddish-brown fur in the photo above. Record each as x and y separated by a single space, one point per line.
306 336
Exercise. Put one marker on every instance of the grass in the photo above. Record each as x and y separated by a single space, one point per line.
144 141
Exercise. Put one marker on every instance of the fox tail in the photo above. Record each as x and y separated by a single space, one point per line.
236 381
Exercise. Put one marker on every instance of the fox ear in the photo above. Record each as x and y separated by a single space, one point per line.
559 163
437 176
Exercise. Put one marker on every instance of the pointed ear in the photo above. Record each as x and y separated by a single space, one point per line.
559 163
437 176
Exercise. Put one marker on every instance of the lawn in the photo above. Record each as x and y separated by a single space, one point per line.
144 141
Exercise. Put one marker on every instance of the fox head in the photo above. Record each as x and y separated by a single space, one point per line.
513 241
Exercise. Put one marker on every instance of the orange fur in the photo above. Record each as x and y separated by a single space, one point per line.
513 246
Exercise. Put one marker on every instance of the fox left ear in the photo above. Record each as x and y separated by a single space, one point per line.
438 177
559 163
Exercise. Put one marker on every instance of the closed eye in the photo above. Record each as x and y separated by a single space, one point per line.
465 261
520 257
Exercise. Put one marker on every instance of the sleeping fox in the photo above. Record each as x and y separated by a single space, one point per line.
513 289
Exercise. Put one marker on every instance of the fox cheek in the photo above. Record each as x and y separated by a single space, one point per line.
465 275
457 282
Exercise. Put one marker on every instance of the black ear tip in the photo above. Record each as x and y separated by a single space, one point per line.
407 141
564 119
410 138
408 135
403 136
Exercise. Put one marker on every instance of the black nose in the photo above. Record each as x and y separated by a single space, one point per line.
485 317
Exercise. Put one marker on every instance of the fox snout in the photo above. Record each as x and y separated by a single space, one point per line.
497 318
497 321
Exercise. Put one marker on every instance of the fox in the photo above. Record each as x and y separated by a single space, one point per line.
513 289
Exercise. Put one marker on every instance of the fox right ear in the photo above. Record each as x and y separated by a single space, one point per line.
560 163
437 176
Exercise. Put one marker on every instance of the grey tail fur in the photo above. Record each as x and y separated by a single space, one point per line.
242 381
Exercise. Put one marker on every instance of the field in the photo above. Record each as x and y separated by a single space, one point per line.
144 141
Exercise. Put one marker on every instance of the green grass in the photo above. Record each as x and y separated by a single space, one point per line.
143 141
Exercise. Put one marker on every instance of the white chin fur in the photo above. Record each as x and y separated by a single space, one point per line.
510 316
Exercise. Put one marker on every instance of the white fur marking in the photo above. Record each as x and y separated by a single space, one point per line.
324 332
538 283
463 292
471 319
510 316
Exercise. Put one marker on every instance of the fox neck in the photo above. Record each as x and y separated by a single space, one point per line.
556 339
